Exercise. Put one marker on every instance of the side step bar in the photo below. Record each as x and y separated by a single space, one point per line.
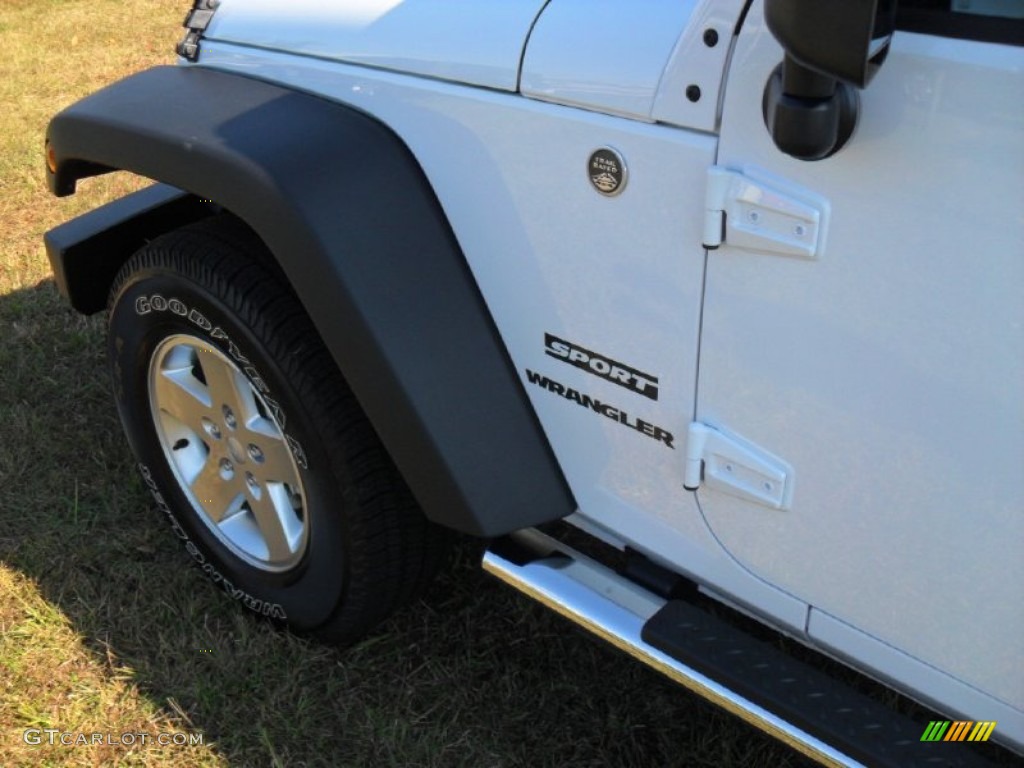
802 707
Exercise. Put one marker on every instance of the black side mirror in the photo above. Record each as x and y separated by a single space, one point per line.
832 48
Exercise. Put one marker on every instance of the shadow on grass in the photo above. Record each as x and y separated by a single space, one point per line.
471 675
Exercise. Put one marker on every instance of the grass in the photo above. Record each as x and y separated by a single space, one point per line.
106 627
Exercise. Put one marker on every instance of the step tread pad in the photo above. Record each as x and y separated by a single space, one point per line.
851 722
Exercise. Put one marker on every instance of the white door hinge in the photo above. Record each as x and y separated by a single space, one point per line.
731 465
744 212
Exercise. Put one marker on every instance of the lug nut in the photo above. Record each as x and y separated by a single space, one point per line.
253 486
255 453
211 429
229 417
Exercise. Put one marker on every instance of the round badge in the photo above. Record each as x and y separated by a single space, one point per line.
607 171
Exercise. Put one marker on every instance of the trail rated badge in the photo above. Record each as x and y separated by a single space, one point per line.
607 171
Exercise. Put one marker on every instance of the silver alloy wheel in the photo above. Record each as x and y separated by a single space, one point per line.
228 453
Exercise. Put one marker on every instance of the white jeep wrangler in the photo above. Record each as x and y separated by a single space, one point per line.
734 289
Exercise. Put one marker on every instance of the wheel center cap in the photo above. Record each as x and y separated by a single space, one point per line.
236 450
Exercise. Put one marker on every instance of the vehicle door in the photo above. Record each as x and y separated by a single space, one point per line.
863 340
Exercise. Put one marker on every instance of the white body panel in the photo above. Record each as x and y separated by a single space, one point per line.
479 43
607 57
603 55
889 371
619 275
698 60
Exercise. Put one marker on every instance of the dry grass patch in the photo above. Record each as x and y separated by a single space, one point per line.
73 691
55 52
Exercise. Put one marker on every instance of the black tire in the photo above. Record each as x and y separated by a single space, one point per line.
303 517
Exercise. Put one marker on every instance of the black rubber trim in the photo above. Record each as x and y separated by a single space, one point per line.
655 578
960 26
86 253
520 554
355 226
849 721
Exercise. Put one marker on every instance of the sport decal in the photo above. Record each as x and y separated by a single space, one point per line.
600 365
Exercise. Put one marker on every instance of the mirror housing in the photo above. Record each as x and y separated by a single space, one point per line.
832 47
846 40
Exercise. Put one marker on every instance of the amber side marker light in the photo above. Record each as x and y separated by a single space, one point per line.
51 158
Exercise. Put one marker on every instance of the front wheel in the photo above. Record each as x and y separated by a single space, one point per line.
254 448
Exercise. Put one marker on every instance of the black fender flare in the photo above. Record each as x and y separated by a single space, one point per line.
356 228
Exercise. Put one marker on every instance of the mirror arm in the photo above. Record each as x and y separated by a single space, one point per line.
805 83
810 116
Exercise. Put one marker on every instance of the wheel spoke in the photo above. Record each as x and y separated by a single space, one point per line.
219 497
275 460
269 514
227 386
178 393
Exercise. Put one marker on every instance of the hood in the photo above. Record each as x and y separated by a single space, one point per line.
466 41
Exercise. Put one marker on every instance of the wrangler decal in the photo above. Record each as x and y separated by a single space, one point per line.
595 405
